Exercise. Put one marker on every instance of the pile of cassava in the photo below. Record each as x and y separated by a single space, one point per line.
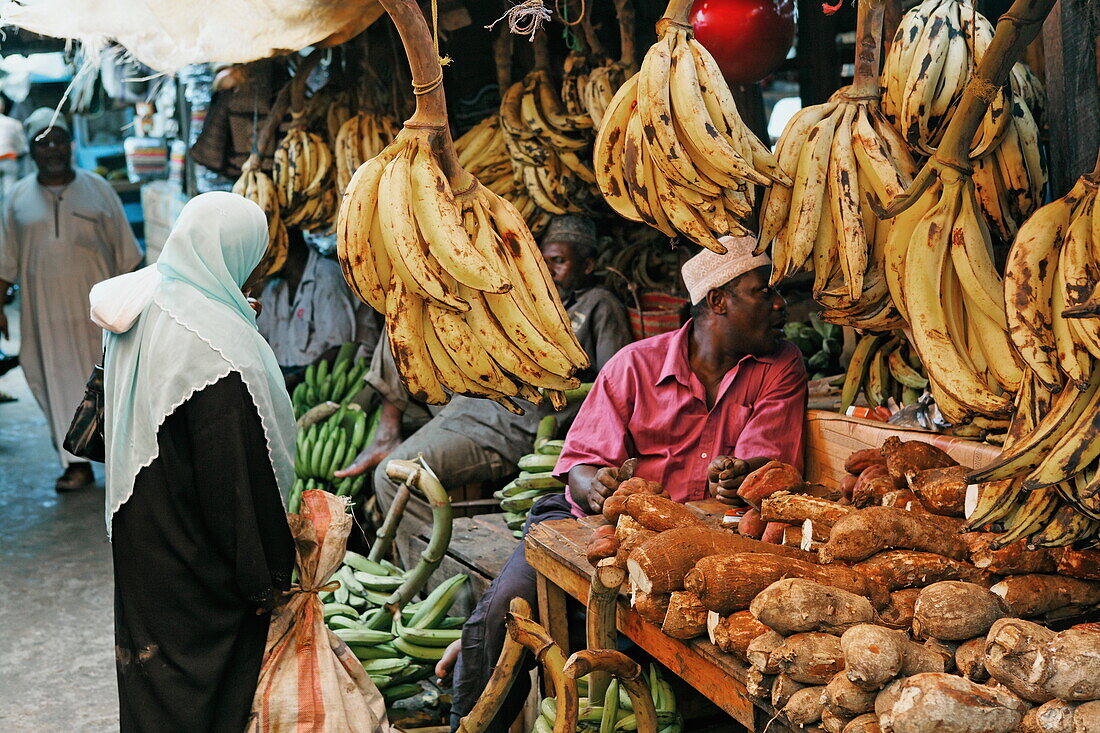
871 608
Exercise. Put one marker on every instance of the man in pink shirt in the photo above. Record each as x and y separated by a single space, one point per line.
725 391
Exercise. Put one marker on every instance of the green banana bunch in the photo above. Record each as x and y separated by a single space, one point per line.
337 382
397 658
883 368
615 712
329 445
820 344
535 480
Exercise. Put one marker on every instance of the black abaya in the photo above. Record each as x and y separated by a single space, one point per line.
199 548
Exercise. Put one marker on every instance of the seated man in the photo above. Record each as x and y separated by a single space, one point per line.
309 312
724 386
474 440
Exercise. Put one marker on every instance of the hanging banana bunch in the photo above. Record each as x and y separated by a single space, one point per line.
838 153
470 306
547 144
362 137
369 129
1046 484
257 186
672 150
303 169
605 80
482 151
938 45
1009 181
940 265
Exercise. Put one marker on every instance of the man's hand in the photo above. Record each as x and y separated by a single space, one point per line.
602 487
724 478
369 458
606 481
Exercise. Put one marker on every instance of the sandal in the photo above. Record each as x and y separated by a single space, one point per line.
76 477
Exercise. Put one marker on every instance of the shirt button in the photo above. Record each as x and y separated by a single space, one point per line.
704 455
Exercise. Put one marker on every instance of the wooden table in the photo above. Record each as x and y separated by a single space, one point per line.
555 549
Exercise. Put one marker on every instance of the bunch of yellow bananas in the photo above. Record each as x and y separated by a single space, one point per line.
359 139
574 80
257 186
546 144
1046 483
303 178
600 88
672 150
1050 279
935 51
483 152
939 260
1009 180
470 306
838 153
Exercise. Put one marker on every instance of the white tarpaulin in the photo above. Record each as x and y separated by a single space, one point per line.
169 34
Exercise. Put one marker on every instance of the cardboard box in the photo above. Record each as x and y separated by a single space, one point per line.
161 203
832 437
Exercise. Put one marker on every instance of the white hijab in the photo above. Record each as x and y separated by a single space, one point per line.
181 325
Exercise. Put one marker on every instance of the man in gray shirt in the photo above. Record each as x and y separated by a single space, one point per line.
473 440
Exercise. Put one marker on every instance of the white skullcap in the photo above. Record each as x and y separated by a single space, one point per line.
707 270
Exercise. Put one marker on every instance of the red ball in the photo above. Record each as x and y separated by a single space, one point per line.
748 38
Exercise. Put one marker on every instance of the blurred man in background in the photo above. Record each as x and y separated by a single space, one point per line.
62 230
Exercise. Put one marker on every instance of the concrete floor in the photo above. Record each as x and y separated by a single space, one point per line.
56 649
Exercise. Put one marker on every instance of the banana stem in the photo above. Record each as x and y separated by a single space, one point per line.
266 139
595 47
301 76
383 543
548 654
316 414
868 48
442 525
677 11
502 57
431 107
603 593
629 674
624 12
541 48
504 675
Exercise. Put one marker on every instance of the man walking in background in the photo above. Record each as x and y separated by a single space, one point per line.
62 230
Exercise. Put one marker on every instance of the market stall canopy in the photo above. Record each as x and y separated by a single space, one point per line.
169 34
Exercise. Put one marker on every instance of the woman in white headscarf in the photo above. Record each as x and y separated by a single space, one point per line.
199 435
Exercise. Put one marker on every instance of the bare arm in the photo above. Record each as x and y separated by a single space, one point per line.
385 440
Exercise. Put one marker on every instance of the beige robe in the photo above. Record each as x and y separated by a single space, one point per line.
57 246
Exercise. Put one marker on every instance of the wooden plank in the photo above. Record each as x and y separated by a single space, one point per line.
555 549
554 618
1073 99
